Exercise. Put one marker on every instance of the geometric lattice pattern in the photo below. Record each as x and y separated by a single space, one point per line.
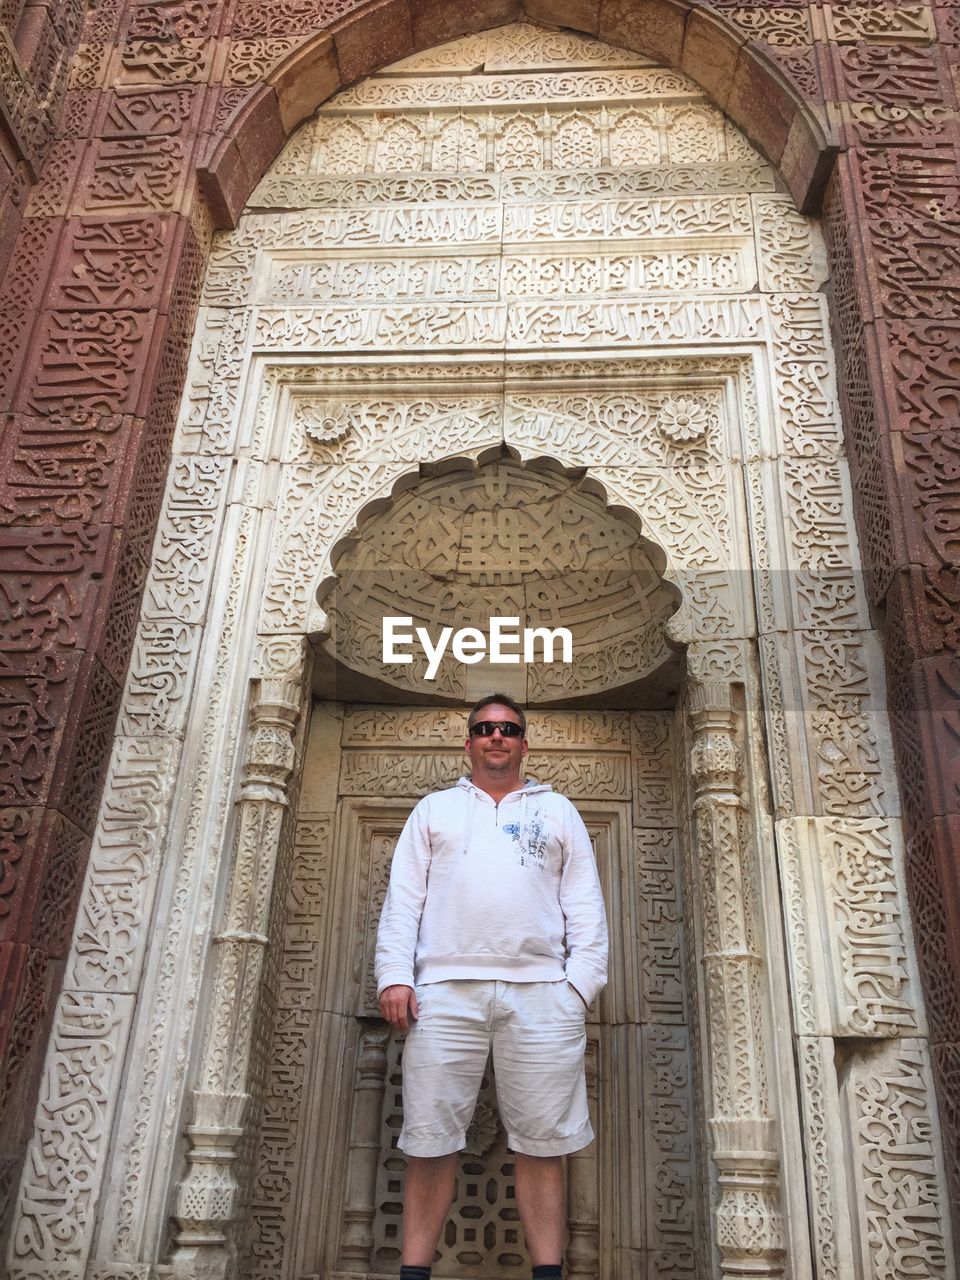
482 1238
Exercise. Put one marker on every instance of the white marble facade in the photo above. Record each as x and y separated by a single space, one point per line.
522 264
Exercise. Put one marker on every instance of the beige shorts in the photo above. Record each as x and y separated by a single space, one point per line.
538 1037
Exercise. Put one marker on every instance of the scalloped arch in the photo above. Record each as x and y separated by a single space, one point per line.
702 578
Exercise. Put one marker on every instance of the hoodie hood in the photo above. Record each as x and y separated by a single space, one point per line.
530 787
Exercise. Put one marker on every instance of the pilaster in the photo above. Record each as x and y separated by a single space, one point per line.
749 1224
206 1200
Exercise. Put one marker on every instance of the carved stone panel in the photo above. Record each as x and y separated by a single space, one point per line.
854 931
831 750
886 1094
294 1052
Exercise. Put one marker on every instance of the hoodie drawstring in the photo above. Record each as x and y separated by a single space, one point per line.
471 805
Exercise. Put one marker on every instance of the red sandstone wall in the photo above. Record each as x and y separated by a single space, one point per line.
107 253
36 43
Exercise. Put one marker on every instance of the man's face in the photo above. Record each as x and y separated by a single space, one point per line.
496 754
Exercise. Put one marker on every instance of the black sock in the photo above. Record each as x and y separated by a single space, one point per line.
414 1273
548 1273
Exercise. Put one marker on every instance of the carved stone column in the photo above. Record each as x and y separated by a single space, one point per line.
206 1199
749 1229
356 1240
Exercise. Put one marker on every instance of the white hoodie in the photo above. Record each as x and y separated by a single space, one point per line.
485 890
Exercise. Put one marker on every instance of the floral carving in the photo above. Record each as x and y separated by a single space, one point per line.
326 425
683 420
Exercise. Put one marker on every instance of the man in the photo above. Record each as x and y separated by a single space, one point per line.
493 934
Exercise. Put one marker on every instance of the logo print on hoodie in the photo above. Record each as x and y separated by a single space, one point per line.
533 846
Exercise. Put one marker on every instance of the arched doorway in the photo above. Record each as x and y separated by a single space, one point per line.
654 371
527 246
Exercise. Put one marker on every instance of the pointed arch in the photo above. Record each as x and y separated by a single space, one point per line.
790 131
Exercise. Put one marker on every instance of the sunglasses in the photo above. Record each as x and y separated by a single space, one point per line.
485 729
